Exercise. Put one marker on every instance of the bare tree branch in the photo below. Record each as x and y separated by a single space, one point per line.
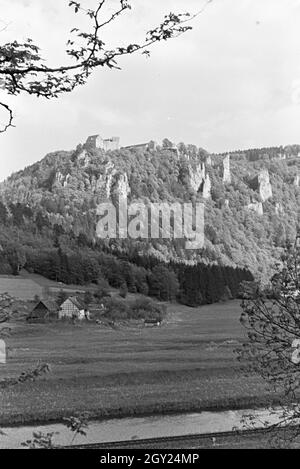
10 117
24 70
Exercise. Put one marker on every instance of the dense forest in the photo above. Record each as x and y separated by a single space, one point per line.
48 218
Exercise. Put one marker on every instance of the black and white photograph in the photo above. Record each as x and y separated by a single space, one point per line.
149 228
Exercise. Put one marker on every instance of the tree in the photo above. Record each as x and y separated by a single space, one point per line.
61 297
166 143
102 289
23 70
15 256
271 317
88 298
163 283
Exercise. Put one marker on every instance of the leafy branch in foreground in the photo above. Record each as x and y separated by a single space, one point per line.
78 425
22 68
272 319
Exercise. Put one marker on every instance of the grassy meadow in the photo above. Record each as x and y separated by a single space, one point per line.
187 364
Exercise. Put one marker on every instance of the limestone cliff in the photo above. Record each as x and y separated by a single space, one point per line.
122 188
196 176
206 190
256 207
262 184
226 170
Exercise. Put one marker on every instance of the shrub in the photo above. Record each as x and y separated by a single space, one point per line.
123 290
102 290
145 308
115 309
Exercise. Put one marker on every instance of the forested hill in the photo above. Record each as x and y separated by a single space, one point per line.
251 201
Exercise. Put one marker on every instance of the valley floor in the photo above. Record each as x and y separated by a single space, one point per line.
187 364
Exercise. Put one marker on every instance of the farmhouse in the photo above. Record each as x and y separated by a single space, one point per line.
73 308
43 311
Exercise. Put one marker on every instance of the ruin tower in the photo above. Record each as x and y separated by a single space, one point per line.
94 141
105 144
111 144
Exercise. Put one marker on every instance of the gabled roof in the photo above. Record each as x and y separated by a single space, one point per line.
76 302
50 305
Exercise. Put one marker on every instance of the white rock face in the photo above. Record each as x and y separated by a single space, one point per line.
278 209
84 158
108 181
67 180
226 170
122 187
256 207
208 161
296 181
197 176
262 184
265 188
103 185
206 187
2 352
59 177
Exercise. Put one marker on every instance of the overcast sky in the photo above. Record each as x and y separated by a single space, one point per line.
233 82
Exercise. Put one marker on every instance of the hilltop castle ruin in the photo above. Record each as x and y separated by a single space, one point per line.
106 144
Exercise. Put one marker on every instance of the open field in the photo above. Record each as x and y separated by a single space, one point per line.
25 286
188 364
22 288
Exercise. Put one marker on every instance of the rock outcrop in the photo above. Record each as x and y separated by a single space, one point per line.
279 208
108 177
59 178
84 158
208 161
262 184
197 176
122 188
102 186
256 207
226 170
67 180
199 180
296 180
206 189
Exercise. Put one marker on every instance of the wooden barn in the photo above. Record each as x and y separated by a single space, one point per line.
44 310
73 308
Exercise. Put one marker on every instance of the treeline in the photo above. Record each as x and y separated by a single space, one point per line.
255 154
191 285
204 284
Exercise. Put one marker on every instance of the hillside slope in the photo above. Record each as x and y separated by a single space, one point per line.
251 198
